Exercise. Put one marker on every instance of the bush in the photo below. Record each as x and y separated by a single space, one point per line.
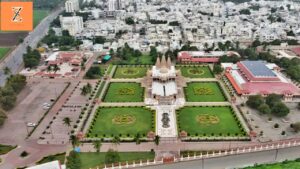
276 125
24 154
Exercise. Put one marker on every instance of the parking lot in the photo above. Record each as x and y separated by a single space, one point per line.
35 100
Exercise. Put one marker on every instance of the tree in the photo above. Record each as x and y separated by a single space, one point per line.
7 97
153 53
17 82
99 40
256 43
74 140
157 139
86 89
245 12
280 109
296 126
264 109
217 69
93 73
56 68
97 145
272 99
116 140
137 138
255 101
67 121
73 160
129 21
2 117
6 70
112 157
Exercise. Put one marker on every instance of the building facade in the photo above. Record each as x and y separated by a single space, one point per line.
72 6
74 24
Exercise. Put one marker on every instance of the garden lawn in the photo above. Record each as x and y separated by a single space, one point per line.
130 72
3 52
38 16
283 165
204 92
5 149
106 125
208 121
196 71
89 160
124 92
59 157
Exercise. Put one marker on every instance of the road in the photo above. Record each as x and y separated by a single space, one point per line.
15 59
230 162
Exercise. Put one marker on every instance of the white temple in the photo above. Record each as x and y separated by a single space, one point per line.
163 83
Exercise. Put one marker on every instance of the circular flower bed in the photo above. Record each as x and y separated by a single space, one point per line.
207 119
203 91
123 119
126 91
195 71
130 71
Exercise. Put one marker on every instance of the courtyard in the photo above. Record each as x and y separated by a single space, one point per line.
196 71
130 72
124 92
204 92
209 122
125 122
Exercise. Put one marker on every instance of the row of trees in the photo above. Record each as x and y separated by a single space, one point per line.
8 94
272 104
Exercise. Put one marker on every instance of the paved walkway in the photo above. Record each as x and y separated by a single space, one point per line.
207 104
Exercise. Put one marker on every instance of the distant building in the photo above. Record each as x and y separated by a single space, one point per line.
259 77
72 6
74 24
202 56
114 5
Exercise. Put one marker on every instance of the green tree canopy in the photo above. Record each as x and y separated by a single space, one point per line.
255 101
280 109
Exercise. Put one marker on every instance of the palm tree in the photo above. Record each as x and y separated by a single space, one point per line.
49 68
67 121
97 145
206 45
116 140
6 71
74 140
56 68
137 138
157 139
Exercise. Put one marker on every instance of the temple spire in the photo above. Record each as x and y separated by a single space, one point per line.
163 61
169 63
157 64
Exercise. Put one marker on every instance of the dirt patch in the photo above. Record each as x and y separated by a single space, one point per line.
11 38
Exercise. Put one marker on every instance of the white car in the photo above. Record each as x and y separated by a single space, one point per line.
31 124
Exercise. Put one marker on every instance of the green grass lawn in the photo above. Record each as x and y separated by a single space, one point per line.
3 52
38 16
5 149
204 92
121 121
283 165
208 121
89 160
196 71
124 92
59 157
130 72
